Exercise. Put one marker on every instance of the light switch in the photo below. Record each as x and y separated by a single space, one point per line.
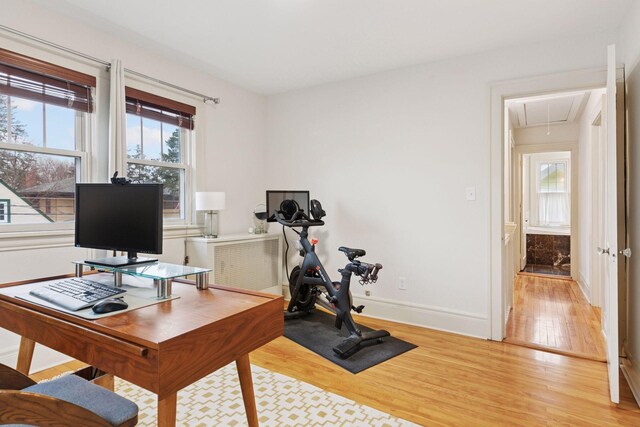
471 193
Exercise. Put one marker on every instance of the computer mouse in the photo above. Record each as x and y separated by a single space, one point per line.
109 305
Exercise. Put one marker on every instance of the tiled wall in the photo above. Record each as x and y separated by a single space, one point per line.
544 249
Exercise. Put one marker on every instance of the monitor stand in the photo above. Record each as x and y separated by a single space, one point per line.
121 261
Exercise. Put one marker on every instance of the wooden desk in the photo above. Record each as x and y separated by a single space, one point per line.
162 347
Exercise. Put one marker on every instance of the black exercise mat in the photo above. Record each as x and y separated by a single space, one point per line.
316 332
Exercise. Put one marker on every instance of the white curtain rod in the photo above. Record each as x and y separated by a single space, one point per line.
205 98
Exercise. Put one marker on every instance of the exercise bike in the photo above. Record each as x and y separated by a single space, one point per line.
309 283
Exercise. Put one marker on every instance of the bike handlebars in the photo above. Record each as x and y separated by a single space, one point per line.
298 219
369 272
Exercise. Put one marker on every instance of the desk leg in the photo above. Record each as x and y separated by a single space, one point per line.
107 381
167 411
246 385
25 354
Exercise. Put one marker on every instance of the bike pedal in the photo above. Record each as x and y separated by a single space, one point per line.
358 309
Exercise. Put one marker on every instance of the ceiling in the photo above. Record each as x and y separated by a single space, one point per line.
559 108
273 46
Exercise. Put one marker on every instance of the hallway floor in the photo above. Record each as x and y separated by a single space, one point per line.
553 315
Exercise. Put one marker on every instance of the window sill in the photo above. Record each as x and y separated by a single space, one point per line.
25 240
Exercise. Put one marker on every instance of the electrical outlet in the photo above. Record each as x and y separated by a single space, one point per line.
402 283
367 293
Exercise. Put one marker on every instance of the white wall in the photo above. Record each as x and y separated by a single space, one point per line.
390 156
538 134
230 136
630 38
585 190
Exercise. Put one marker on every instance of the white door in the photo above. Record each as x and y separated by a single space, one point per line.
614 222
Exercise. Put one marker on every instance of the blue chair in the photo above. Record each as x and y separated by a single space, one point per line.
66 401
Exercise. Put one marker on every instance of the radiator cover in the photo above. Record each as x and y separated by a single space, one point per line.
252 262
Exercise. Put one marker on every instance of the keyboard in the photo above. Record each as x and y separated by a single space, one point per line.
75 293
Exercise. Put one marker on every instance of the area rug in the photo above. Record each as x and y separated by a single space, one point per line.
216 400
316 331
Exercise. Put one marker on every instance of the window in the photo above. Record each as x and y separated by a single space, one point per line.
553 193
43 116
158 140
552 177
5 214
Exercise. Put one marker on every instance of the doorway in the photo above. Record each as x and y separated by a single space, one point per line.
614 317
546 213
550 170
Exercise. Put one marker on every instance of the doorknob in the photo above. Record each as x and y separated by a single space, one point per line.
626 252
603 251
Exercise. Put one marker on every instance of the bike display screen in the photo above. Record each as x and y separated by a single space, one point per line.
276 197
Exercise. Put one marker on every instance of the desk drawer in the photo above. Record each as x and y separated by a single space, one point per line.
130 361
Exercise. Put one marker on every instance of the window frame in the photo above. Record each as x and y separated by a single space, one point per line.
567 173
82 171
184 136
83 129
158 96
5 215
534 204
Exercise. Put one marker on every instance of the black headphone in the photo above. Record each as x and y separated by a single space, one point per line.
288 208
316 210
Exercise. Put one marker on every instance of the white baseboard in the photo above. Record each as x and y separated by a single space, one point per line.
431 317
633 377
584 287
43 358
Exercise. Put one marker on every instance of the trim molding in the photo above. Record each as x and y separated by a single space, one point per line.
426 316
633 377
586 290
501 91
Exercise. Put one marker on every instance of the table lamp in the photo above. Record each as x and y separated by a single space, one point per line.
211 203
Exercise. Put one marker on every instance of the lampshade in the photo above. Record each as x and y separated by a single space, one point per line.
210 201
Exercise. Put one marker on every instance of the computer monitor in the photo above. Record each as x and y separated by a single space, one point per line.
275 197
121 218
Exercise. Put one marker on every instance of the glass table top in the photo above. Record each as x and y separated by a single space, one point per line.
155 270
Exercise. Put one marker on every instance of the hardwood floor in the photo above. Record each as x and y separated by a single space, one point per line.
460 381
553 314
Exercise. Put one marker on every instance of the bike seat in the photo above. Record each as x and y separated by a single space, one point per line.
352 253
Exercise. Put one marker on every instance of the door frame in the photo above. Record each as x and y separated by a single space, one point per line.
571 147
501 92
